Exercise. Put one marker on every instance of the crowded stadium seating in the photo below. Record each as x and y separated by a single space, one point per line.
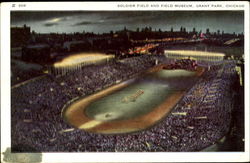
37 122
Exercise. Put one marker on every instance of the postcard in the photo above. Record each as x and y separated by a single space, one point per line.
125 81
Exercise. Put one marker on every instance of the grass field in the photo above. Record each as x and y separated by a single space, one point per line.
106 111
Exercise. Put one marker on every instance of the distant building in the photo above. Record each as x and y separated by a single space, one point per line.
76 46
20 36
36 53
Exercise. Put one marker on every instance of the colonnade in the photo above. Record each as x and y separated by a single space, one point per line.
198 55
65 69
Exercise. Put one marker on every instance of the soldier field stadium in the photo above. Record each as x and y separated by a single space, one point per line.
175 101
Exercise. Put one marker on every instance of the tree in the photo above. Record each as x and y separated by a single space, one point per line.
184 30
218 32
150 29
172 30
125 29
207 31
181 29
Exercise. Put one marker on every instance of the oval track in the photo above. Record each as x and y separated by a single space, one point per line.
132 105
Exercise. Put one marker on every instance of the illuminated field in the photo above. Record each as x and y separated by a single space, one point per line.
82 58
106 111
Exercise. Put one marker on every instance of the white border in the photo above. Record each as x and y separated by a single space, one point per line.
116 157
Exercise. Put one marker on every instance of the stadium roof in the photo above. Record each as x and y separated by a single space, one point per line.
194 53
76 59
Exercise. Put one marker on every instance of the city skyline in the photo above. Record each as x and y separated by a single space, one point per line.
105 21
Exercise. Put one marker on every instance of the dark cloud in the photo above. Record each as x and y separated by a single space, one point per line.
50 24
84 23
20 16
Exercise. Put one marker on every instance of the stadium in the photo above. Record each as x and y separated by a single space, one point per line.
97 103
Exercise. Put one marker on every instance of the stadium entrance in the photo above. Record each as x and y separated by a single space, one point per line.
132 105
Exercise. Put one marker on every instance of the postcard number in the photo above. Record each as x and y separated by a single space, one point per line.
21 5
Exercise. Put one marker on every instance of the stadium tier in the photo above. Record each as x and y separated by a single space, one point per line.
199 55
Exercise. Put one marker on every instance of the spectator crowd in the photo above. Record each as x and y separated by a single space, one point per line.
199 119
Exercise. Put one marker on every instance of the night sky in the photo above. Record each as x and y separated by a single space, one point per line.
105 21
